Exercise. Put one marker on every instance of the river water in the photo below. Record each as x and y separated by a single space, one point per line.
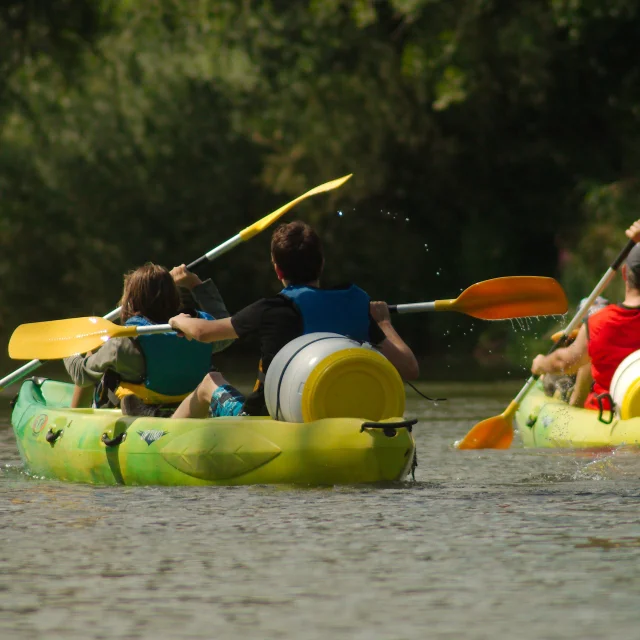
492 544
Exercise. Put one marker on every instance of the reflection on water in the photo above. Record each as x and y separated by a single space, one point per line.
486 544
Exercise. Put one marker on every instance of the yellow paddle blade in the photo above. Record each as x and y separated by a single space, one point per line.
62 338
509 297
262 224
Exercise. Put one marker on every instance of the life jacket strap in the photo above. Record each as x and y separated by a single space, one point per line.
147 395
260 380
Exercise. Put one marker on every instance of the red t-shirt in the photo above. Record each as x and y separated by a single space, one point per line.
613 334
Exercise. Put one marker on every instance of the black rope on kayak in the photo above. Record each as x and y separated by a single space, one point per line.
286 366
113 442
602 409
414 464
389 428
422 394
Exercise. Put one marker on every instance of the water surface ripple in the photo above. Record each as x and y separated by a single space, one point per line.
492 544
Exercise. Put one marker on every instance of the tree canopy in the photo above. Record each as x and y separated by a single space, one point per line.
486 138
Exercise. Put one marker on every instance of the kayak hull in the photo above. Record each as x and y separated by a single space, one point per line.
548 422
102 446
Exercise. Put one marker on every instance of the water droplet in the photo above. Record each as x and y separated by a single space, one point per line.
340 213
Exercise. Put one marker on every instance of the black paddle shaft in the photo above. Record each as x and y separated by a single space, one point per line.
196 263
615 265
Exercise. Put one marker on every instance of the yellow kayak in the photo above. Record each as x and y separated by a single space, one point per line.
103 446
549 422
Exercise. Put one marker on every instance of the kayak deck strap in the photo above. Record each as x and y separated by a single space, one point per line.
389 428
113 442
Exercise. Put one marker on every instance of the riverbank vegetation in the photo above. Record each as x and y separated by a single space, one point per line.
486 138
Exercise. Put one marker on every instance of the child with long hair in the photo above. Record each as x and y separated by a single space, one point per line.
150 374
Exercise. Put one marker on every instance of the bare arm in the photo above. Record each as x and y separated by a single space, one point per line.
582 386
566 360
393 347
203 330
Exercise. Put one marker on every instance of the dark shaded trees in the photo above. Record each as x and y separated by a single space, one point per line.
486 137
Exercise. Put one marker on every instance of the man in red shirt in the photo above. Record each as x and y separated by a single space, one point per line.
606 338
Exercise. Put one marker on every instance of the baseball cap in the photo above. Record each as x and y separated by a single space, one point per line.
633 261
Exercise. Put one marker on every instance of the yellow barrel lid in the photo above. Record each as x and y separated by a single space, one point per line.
353 383
630 406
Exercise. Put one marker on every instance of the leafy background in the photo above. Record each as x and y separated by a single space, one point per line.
486 138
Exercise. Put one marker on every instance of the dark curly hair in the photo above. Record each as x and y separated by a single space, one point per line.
296 250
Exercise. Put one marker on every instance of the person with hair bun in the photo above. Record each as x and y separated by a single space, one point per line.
150 374
302 307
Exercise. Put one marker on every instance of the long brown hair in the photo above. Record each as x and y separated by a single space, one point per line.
150 291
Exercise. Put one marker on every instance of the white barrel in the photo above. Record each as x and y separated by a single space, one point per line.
326 375
625 387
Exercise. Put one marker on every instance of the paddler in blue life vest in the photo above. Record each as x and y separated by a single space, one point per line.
151 374
302 307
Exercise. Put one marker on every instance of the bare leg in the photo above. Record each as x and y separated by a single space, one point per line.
582 386
81 397
196 404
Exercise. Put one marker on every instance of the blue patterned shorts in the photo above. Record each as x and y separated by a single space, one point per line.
226 401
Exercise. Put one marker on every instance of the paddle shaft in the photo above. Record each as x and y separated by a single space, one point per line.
415 307
153 328
33 365
244 235
218 251
600 287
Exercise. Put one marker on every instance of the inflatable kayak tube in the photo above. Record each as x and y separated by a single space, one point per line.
102 446
548 422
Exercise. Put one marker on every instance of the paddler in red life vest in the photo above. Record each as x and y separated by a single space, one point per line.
606 338
302 307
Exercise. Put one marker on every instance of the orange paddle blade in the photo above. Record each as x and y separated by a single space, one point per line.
509 297
62 338
492 433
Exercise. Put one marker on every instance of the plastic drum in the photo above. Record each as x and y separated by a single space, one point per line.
625 387
325 375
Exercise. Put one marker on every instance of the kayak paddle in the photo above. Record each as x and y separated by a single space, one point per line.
500 299
61 338
243 236
497 432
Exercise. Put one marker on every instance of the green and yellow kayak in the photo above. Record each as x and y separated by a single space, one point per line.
549 422
104 447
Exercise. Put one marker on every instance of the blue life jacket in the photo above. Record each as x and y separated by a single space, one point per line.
174 365
343 311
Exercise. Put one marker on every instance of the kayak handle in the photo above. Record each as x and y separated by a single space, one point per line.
52 435
389 428
115 441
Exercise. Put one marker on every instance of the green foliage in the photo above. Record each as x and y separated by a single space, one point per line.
486 138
